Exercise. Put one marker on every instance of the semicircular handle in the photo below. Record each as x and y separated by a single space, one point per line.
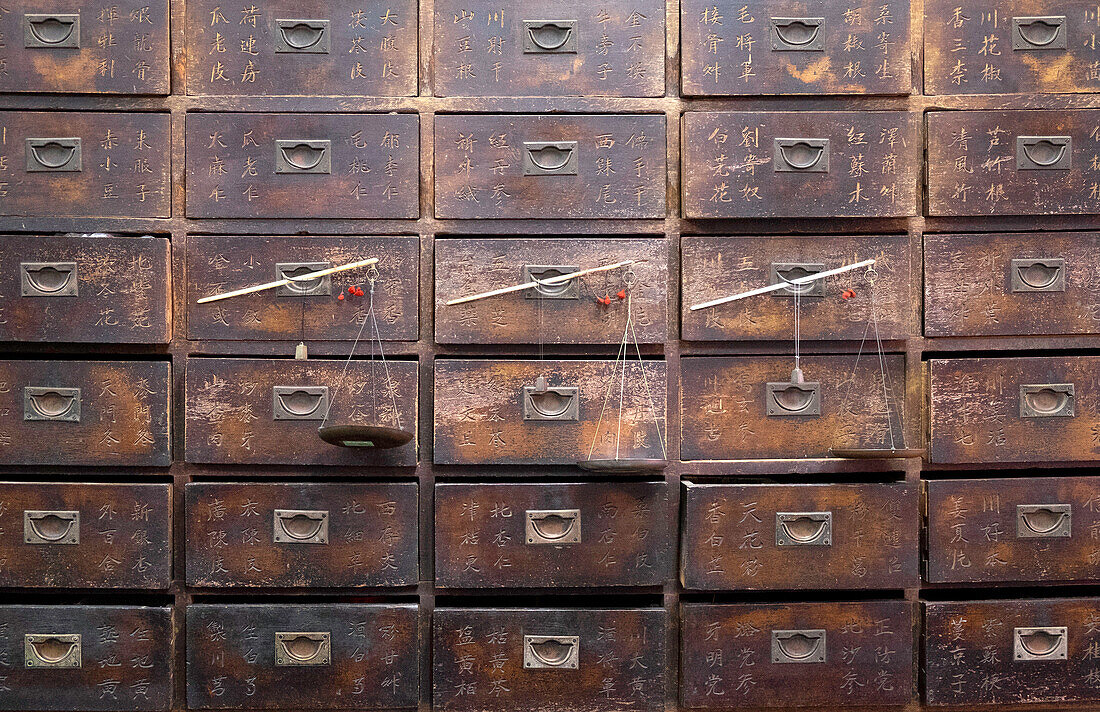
303 648
51 31
52 650
1047 400
1040 643
557 403
302 35
48 279
801 156
303 156
300 402
53 155
798 646
550 158
301 526
1039 275
1039 32
551 651
804 528
51 527
55 404
786 398
1044 153
550 36
553 526
797 32
1044 521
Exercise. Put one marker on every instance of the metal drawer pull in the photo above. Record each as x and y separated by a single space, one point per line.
549 36
569 289
798 646
801 155
51 31
798 34
302 36
783 272
49 279
53 155
1040 643
317 287
301 526
1042 275
801 399
1046 400
300 402
51 526
302 649
57 404
553 526
1044 153
549 158
803 528
1035 521
1047 32
546 652
559 403
51 650
303 156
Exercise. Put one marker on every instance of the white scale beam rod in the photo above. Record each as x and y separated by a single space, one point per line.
782 285
531 285
283 282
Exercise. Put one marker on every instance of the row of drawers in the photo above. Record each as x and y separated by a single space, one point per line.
749 537
735 164
366 656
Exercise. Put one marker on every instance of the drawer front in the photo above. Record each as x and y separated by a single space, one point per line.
806 164
489 412
742 408
1011 284
76 164
267 411
315 656
303 165
1012 162
1010 652
555 660
568 313
223 263
797 655
775 47
84 413
301 535
96 658
60 47
549 166
550 48
794 537
98 289
552 535
330 47
1043 409
716 267
1009 47
1013 530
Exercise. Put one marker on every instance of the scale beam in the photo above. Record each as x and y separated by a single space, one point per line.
782 285
531 285
283 282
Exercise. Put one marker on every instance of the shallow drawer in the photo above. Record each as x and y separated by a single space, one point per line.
1042 409
121 48
96 658
830 655
800 164
567 313
794 537
616 49
1012 284
267 411
553 535
493 412
315 656
80 289
222 263
775 47
84 413
735 408
303 165
716 267
64 164
554 660
1011 652
301 535
549 166
329 47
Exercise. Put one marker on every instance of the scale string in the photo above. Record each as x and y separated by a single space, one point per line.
607 394
385 365
343 373
882 362
649 393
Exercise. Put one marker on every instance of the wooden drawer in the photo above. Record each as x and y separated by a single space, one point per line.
809 164
553 535
1040 409
549 166
220 263
303 165
558 314
1009 47
730 411
62 164
1011 652
329 47
748 655
302 656
715 267
55 47
1010 284
80 289
616 49
1011 162
552 660
96 658
301 535
778 47
84 413
795 537
267 411
486 412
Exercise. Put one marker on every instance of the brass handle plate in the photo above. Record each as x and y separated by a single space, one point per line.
570 289
798 646
1044 153
553 526
51 526
1044 521
798 34
550 158
53 155
1039 275
52 650
1042 643
303 649
793 399
302 156
297 36
317 287
782 272
1039 33
800 155
44 31
803 528
549 36
299 402
49 279
300 526
54 404
557 403
551 652
1047 400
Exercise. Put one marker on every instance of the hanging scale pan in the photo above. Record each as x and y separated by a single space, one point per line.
872 453
379 437
623 466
